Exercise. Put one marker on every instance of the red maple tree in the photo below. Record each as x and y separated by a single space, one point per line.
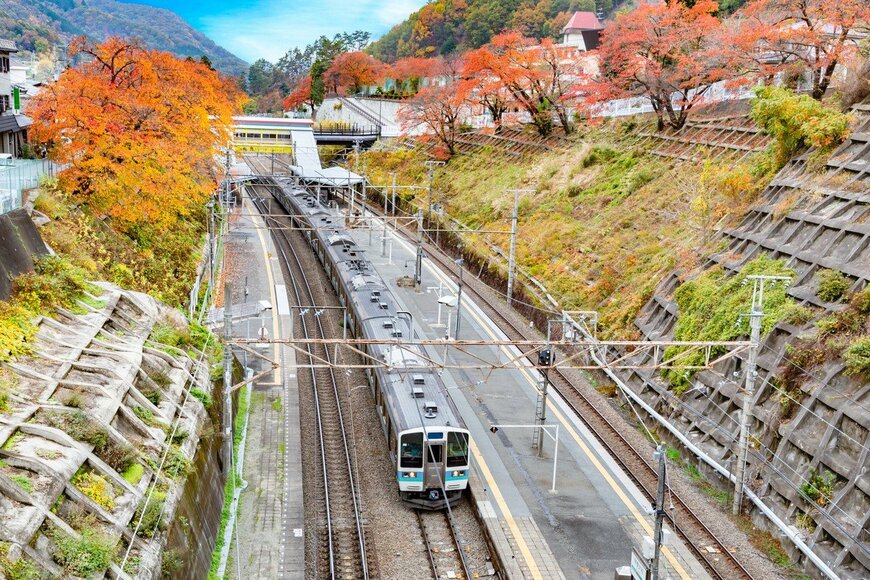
539 77
300 96
408 72
796 37
439 110
351 71
666 52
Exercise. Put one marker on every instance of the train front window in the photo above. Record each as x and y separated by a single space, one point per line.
457 449
412 450
435 452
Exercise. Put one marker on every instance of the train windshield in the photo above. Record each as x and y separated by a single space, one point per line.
457 449
412 450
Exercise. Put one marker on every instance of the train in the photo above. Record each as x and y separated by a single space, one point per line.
427 438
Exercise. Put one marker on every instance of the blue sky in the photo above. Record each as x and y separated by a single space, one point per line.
252 29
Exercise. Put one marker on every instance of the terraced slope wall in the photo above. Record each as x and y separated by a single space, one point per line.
816 220
98 419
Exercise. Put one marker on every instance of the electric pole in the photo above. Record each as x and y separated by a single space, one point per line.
513 250
660 509
460 262
418 270
755 315
431 165
394 198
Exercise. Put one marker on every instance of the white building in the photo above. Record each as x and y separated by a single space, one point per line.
582 31
13 126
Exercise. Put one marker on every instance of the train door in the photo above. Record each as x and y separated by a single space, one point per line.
435 468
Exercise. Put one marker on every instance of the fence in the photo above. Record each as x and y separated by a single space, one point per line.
19 175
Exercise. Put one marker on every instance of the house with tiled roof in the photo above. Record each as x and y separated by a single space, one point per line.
582 31
13 125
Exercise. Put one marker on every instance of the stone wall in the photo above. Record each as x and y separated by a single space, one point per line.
814 219
20 242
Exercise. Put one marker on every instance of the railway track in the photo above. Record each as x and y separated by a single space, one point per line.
342 549
707 547
443 548
721 563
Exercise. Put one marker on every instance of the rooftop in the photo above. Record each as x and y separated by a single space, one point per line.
8 45
583 21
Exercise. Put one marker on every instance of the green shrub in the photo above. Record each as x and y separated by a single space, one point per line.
78 426
171 562
857 357
710 308
23 482
796 121
153 395
819 487
152 521
177 464
119 456
84 556
201 396
832 285
146 415
134 473
598 154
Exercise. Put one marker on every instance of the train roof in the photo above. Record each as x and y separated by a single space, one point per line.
414 393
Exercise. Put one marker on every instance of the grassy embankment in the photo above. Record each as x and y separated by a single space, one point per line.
604 221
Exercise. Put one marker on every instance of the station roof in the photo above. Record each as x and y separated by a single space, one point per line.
333 176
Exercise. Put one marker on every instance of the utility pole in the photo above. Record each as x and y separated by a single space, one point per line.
660 509
228 377
512 259
418 270
394 197
431 165
546 358
460 262
755 316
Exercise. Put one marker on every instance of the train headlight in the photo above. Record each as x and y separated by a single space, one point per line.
458 473
410 474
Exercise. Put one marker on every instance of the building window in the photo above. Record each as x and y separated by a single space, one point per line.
4 64
4 103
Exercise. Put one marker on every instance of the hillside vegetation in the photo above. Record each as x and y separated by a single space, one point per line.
603 221
38 25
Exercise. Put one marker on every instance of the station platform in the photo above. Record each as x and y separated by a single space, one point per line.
269 532
579 520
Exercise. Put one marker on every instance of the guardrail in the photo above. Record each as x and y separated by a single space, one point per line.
345 130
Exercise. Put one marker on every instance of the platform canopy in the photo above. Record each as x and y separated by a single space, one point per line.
332 176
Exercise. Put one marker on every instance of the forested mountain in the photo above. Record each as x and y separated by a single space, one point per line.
445 26
37 25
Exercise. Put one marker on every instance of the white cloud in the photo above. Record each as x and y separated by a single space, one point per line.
268 28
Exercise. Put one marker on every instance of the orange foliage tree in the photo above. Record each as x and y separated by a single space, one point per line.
664 51
351 71
407 72
300 96
139 129
439 111
767 37
539 77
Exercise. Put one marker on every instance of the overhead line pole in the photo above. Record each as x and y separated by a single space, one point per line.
755 317
513 246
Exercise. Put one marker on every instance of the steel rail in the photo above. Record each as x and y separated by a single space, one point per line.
605 432
351 482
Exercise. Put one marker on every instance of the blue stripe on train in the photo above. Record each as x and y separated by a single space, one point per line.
419 477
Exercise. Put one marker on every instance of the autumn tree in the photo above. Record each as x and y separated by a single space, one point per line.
352 71
407 72
797 37
301 96
538 77
139 130
663 51
439 111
